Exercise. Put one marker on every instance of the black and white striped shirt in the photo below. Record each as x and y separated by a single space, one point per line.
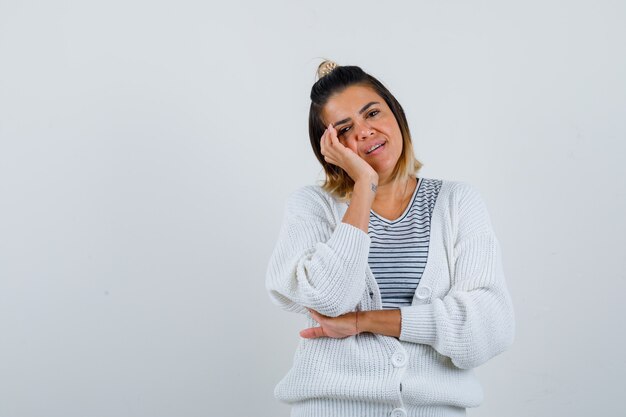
399 248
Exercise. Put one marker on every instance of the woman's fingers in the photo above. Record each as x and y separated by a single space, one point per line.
324 143
333 139
335 327
332 132
316 316
330 160
328 140
330 146
312 333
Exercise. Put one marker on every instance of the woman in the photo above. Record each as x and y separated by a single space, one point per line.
400 277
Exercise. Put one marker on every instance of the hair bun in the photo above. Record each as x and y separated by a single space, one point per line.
325 68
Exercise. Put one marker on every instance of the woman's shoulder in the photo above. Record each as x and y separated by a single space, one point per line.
466 201
457 195
452 188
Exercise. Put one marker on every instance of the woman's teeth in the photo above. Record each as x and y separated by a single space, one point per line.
373 148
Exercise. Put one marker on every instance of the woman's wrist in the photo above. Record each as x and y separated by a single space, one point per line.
358 213
385 322
367 181
365 189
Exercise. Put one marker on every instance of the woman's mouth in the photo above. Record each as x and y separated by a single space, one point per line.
374 149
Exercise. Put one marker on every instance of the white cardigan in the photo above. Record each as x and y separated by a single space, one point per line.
460 317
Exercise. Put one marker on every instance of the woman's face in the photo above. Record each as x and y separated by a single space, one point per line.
363 121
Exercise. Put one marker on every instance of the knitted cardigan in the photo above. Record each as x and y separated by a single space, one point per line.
461 314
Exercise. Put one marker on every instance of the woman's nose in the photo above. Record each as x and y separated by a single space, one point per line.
365 132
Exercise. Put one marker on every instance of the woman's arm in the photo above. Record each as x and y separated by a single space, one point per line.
358 212
385 322
472 323
316 263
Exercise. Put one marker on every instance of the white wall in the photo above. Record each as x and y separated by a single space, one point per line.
147 148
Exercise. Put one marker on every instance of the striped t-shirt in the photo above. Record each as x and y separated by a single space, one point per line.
399 248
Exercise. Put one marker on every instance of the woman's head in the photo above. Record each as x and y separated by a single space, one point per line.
350 99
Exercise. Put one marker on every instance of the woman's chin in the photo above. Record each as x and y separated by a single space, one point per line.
382 169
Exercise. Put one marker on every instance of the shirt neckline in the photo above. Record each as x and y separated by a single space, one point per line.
405 212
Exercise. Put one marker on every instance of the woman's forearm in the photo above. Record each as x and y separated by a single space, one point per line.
358 212
385 322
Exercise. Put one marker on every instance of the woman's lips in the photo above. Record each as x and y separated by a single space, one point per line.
377 150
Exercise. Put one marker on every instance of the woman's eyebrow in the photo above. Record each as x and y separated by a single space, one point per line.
360 112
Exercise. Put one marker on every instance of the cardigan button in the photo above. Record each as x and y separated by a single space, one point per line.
398 359
398 412
371 294
422 292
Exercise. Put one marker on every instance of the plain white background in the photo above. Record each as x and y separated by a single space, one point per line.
147 148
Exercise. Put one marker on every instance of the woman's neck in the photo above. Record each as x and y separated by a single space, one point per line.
394 192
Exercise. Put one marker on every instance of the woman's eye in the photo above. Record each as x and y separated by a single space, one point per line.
373 113
342 131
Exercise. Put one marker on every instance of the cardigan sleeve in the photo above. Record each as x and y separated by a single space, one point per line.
316 264
474 321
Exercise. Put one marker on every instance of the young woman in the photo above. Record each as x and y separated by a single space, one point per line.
400 277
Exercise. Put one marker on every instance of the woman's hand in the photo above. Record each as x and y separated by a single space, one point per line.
385 322
336 327
337 154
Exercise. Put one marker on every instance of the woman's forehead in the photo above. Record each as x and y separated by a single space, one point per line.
349 102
